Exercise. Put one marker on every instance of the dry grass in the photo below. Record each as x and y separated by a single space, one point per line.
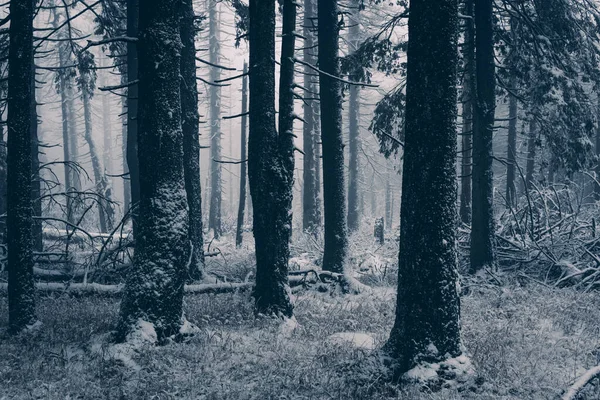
527 343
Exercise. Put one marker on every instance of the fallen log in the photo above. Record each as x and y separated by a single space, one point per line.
83 289
580 383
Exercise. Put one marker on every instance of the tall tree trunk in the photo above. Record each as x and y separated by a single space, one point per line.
73 133
511 151
191 145
126 177
310 136
334 188
106 123
388 202
269 177
468 97
529 169
154 286
104 207
353 124
21 290
482 224
243 156
216 183
427 326
132 110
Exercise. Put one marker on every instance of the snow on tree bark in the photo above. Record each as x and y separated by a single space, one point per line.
353 124
243 156
154 286
427 325
468 95
216 183
334 188
482 252
270 180
311 217
132 111
21 296
191 145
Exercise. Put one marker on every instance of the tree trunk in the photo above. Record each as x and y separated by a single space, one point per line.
132 111
269 177
216 183
106 124
21 296
353 124
597 184
310 195
511 151
243 165
191 145
334 188
482 253
126 177
155 283
529 169
36 190
427 326
468 96
105 213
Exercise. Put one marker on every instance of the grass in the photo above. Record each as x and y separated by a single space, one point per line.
526 342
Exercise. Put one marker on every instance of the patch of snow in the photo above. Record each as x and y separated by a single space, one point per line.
288 326
451 372
187 328
357 340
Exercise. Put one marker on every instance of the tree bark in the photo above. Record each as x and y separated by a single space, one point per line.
530 167
21 296
191 145
154 285
334 188
132 111
468 95
511 151
243 165
427 326
126 177
310 133
270 180
216 183
353 124
482 252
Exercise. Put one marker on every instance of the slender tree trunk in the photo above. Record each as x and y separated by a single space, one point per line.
269 158
216 184
353 124
427 326
126 178
529 169
154 286
596 184
511 151
482 224
388 202
21 291
334 188
310 195
191 145
104 207
73 134
132 110
106 124
468 96
243 156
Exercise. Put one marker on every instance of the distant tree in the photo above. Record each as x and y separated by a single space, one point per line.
21 290
243 151
216 183
334 188
311 208
427 326
270 157
191 145
154 286
482 250
353 122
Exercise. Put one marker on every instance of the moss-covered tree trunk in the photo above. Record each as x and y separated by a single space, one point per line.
482 252
191 145
334 187
427 326
269 178
21 291
154 286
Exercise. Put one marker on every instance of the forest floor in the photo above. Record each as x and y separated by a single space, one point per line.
526 341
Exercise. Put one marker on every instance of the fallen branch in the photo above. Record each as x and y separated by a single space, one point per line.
580 383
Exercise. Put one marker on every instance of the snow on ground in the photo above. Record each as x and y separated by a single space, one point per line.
357 340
